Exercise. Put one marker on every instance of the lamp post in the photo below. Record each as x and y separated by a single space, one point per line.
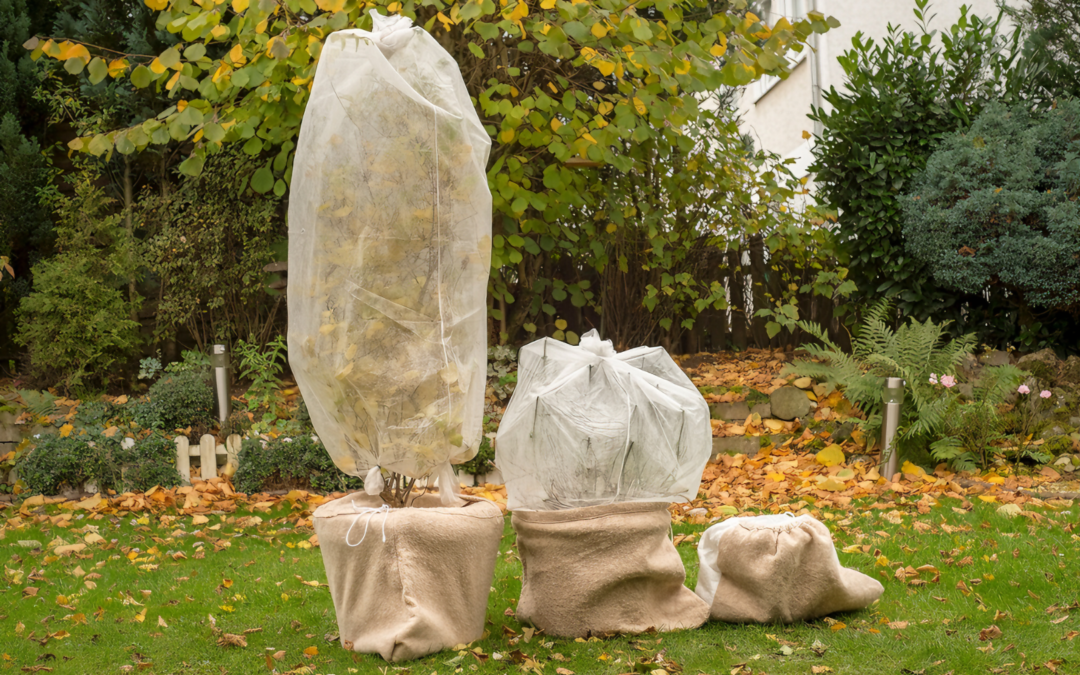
219 360
893 399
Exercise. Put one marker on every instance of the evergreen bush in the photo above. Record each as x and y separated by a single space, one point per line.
996 206
293 462
177 401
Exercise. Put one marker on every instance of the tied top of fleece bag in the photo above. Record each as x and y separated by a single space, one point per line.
777 569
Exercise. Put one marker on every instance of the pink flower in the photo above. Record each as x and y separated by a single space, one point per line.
933 378
948 381
1023 389
1044 393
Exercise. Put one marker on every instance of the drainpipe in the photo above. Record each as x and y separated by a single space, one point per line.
815 71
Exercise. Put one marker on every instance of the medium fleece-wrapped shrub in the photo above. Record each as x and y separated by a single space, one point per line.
603 569
777 569
408 582
589 426
389 254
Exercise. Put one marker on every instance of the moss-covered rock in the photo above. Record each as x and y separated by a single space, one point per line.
1058 445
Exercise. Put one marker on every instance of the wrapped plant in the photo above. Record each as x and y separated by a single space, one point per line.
389 250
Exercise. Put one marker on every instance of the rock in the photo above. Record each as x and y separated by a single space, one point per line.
1042 364
970 367
1074 422
732 412
765 411
803 383
995 358
1064 460
789 403
735 445
843 432
1070 372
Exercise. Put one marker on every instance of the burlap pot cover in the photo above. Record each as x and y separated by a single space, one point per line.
603 569
425 588
777 569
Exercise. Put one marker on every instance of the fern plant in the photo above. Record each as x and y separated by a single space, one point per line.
912 351
970 429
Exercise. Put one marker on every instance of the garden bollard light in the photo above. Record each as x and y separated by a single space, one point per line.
893 398
222 382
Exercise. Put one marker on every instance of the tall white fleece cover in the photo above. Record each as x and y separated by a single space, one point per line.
588 426
389 254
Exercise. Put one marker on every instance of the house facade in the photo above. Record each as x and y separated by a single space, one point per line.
774 112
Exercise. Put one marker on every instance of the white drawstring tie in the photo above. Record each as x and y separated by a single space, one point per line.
369 512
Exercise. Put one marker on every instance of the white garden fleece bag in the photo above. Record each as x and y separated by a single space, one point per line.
389 254
587 426
777 569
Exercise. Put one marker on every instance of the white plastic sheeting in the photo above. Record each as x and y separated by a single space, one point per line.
389 254
588 426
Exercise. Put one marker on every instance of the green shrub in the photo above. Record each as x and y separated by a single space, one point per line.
151 461
901 95
292 462
177 401
995 207
77 324
55 463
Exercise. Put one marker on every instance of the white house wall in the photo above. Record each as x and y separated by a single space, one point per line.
777 118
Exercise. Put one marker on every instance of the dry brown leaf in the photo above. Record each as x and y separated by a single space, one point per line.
230 640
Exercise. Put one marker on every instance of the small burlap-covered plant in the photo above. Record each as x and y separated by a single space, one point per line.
603 569
777 569
412 581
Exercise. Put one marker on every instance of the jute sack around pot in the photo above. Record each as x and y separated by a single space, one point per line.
777 569
408 582
603 569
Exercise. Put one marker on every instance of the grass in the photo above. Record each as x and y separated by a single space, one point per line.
1019 569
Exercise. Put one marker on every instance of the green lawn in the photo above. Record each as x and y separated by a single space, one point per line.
1018 574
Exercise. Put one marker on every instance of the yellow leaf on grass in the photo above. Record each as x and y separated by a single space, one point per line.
227 583
830 456
141 616
990 499
161 622
311 651
66 430
838 626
